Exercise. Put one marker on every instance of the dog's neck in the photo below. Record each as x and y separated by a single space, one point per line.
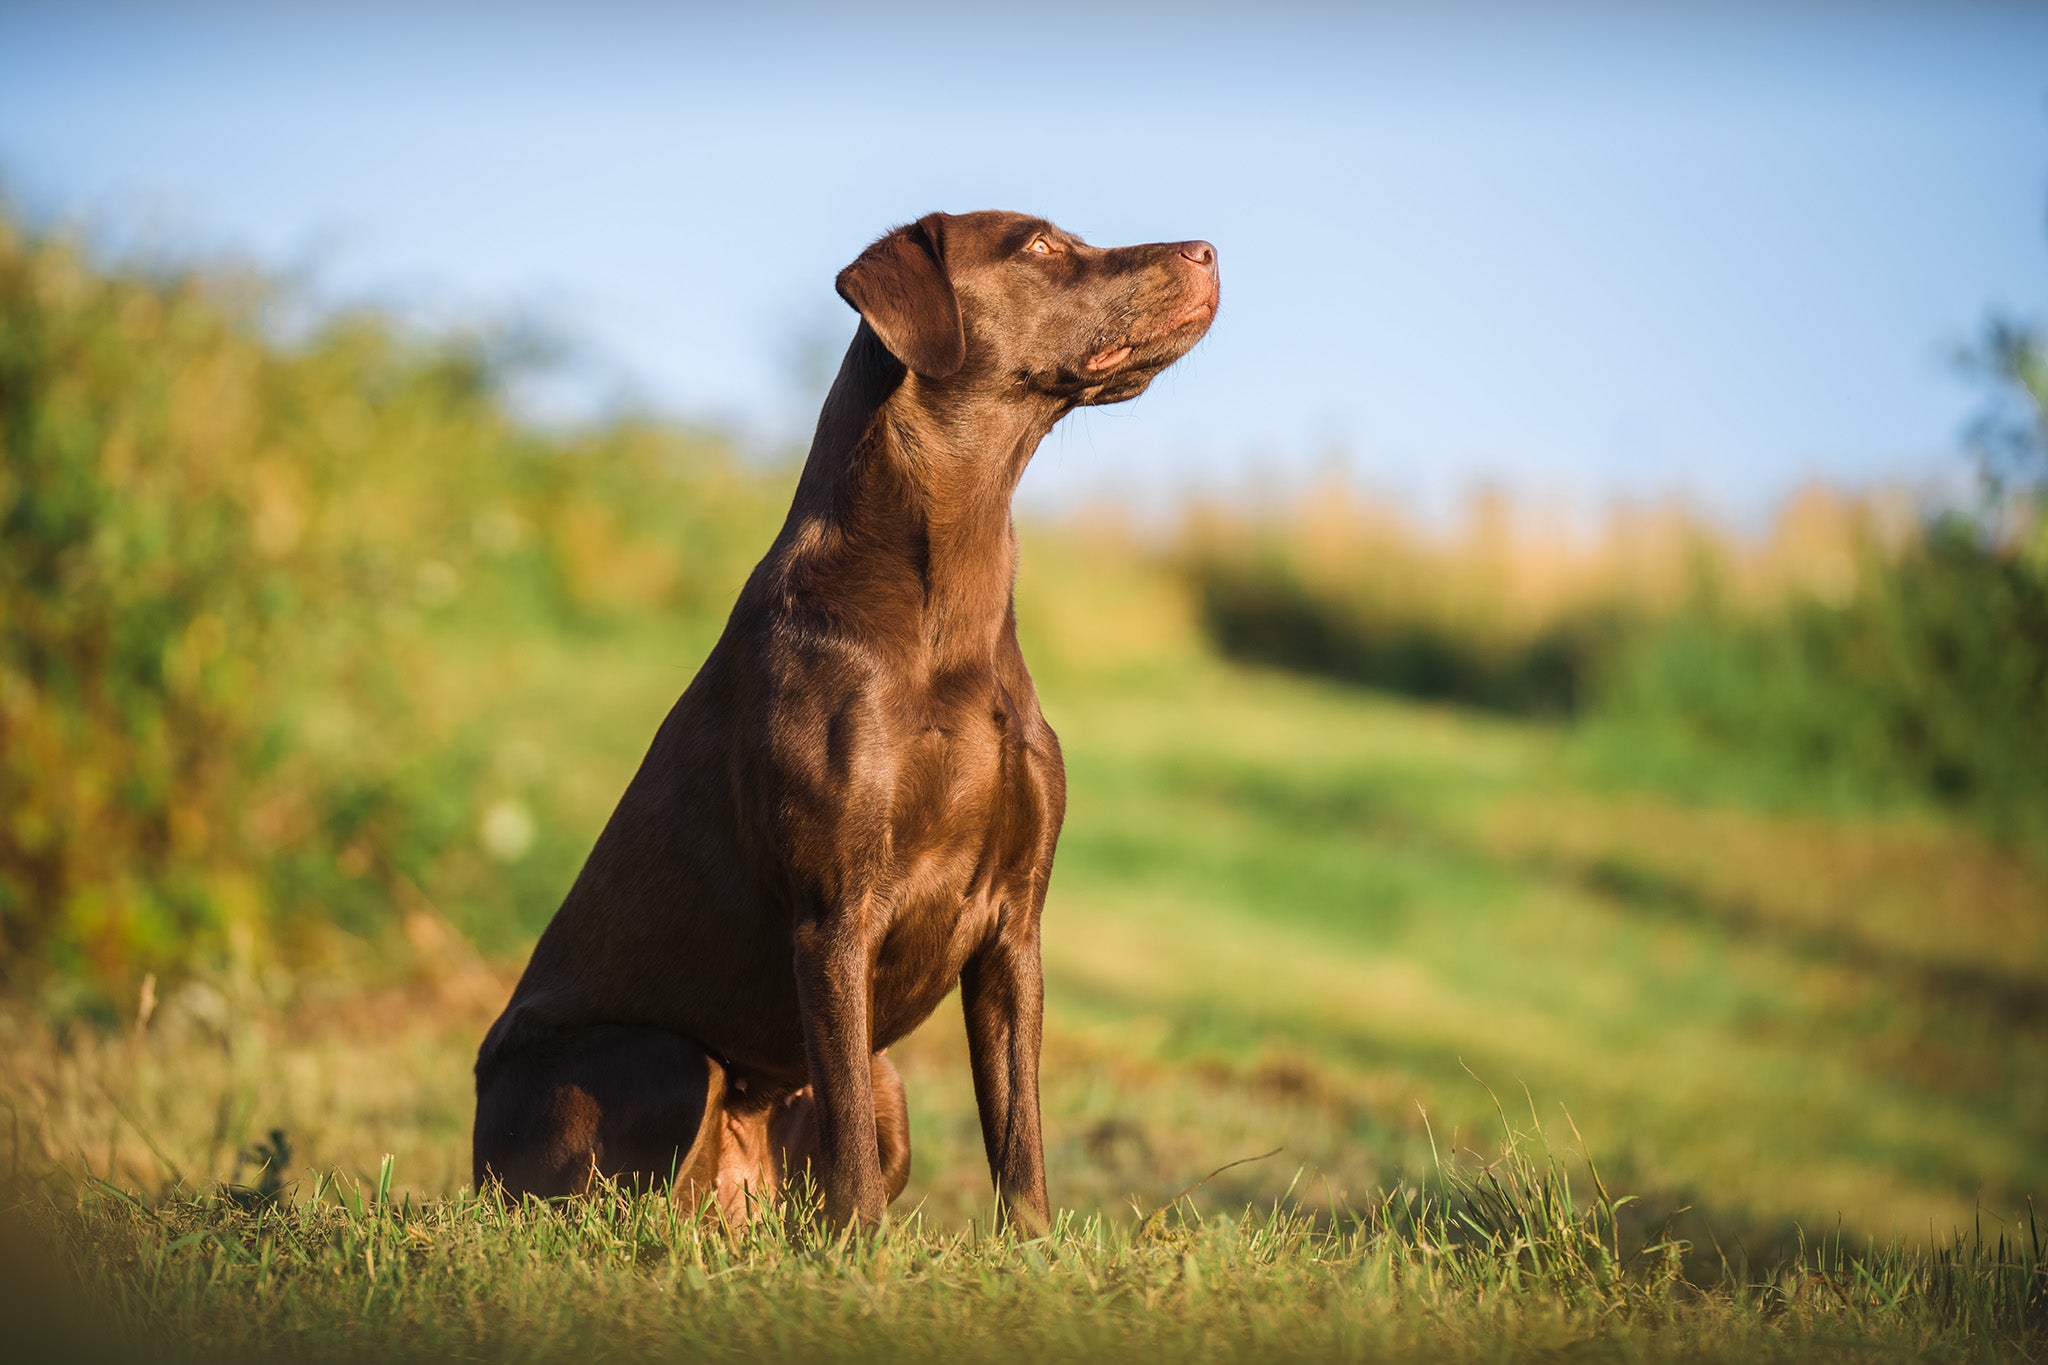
906 494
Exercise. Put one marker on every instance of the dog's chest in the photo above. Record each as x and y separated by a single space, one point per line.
965 838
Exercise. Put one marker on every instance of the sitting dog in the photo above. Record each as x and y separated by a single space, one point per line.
855 803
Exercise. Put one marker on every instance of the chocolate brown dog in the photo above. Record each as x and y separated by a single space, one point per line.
855 803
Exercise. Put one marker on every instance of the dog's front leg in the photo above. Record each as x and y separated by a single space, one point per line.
1003 993
833 967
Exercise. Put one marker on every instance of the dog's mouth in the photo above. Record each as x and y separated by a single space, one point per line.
1200 313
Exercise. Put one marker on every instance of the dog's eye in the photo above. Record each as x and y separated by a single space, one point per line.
1040 246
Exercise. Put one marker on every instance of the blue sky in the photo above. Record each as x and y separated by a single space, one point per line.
1586 251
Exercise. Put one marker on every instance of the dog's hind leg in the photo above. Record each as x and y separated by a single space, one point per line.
792 1136
892 1127
637 1105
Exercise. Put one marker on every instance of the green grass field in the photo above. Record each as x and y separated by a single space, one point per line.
1364 942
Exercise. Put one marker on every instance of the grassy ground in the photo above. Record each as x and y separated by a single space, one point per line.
1290 922
1495 1262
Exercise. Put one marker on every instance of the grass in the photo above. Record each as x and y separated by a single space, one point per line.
1286 916
1814 1018
1481 1260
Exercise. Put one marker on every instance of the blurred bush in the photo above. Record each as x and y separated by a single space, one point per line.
1930 676
1858 644
224 564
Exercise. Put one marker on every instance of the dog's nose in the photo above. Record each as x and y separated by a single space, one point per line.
1201 253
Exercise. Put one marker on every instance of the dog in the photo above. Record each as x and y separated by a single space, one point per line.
854 805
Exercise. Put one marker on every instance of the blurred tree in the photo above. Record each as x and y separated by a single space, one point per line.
2010 435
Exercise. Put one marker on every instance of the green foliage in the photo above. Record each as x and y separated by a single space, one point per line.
1931 678
221 560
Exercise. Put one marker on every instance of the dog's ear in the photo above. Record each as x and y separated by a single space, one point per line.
901 287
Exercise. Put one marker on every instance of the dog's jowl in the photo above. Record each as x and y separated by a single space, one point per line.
855 803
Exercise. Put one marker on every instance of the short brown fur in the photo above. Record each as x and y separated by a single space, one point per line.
854 805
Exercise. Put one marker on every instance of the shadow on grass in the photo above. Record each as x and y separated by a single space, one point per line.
1373 808
2002 997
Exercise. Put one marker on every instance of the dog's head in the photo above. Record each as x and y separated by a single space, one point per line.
1008 301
